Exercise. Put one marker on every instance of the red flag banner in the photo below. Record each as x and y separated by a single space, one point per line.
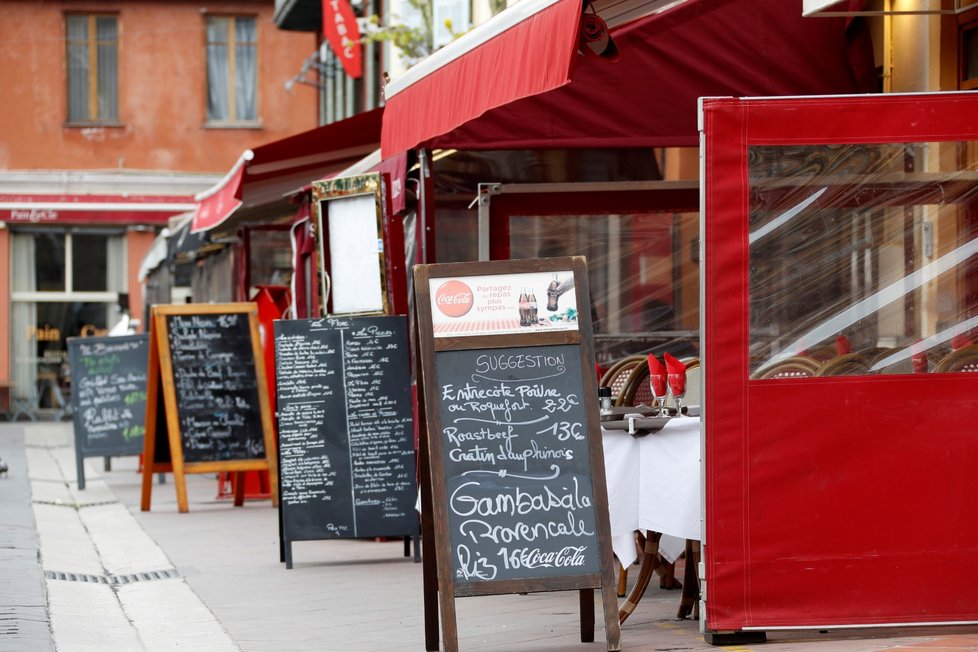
341 30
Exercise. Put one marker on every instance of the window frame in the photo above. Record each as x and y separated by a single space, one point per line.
232 122
92 43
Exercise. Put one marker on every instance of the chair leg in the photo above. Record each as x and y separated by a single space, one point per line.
667 575
650 559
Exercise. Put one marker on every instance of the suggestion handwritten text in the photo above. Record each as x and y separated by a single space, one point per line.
517 464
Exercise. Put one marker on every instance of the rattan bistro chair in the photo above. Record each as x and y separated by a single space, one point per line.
799 366
637 390
964 359
618 373
847 364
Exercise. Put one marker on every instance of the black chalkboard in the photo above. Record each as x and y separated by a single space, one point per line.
513 492
108 396
346 432
207 407
216 387
516 462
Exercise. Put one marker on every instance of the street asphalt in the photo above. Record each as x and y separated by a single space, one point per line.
87 570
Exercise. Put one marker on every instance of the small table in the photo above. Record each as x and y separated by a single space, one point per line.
654 484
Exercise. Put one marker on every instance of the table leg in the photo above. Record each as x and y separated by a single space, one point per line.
650 559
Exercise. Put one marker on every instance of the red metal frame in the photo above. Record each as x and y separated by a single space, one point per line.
836 500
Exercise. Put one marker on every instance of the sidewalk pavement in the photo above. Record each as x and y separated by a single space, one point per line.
116 578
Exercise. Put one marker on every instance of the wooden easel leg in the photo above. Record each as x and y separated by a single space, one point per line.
429 569
147 494
587 615
239 488
180 480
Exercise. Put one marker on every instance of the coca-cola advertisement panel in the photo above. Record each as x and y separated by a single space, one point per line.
499 304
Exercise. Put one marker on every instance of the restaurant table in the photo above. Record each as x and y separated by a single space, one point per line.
654 485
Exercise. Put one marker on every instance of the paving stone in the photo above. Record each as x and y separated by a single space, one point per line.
122 544
156 607
89 617
65 543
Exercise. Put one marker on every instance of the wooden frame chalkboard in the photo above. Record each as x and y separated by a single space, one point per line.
346 429
108 397
510 438
207 370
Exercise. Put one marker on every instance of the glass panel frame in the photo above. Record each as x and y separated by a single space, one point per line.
863 257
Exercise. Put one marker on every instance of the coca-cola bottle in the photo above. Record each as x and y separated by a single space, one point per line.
552 294
524 308
532 301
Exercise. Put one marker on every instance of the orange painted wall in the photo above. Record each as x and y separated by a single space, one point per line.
162 85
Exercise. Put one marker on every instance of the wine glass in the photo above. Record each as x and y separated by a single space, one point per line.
657 382
677 384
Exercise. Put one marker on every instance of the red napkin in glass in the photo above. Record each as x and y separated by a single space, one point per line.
960 341
842 345
919 358
597 370
657 376
676 371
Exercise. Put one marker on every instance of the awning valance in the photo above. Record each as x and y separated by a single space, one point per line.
668 59
272 172
523 51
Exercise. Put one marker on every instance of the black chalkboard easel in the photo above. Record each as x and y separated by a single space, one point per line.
346 430
514 498
206 371
108 397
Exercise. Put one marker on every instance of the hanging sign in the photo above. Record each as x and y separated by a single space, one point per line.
340 29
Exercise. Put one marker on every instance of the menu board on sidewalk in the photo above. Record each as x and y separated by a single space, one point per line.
346 431
108 396
513 469
516 463
213 368
206 371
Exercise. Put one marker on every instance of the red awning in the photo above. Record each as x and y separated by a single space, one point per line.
525 50
648 97
271 172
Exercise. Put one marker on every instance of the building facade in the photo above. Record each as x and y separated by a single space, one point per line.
115 115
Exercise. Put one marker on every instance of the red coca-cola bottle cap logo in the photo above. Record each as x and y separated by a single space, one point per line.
453 298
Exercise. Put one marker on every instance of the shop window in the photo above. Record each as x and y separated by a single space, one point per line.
644 283
63 284
269 258
93 68
90 271
863 258
232 69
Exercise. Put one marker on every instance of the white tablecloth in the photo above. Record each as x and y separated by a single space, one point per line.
654 484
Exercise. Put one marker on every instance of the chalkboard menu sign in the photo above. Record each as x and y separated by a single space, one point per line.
511 437
108 396
216 387
516 463
346 432
205 364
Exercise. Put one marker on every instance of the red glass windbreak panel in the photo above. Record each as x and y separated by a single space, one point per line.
838 500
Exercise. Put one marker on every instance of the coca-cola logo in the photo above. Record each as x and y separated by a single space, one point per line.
453 298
